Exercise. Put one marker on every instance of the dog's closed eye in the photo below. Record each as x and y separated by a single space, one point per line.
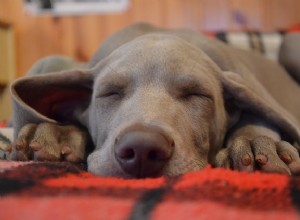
187 87
189 94
193 91
111 91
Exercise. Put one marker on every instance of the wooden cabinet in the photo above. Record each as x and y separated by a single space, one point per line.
7 69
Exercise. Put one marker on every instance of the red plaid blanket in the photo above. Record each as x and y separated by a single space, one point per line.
66 191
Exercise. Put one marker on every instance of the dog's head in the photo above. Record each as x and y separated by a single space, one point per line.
157 108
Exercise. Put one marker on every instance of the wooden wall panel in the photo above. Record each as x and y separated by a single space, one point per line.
154 11
79 36
216 15
252 12
281 13
7 70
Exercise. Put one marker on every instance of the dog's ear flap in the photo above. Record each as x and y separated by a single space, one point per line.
52 97
248 95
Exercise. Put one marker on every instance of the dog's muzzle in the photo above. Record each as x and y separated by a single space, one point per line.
143 153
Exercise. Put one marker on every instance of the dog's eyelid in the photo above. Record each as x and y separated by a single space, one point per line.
111 90
200 94
194 89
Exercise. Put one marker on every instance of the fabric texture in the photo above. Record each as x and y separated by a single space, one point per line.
6 138
266 43
44 190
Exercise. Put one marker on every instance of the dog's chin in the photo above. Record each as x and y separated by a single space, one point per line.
107 168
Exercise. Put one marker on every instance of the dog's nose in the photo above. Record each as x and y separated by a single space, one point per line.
143 154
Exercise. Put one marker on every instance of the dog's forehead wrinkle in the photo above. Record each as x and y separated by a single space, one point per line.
157 57
157 74
159 47
186 81
171 46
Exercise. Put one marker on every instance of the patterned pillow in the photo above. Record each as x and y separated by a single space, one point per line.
267 43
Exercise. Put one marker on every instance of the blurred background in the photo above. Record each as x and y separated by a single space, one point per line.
32 29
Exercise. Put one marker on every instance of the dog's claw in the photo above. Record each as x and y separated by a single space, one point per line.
35 146
20 146
246 160
261 153
69 155
295 168
261 159
286 158
9 148
66 150
44 142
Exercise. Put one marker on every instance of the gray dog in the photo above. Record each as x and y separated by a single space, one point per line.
155 102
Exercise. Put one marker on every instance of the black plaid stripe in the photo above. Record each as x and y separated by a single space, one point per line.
295 192
25 176
150 199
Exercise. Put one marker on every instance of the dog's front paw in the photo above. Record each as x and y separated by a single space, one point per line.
261 153
49 142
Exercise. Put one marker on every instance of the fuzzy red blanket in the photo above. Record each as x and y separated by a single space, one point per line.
66 191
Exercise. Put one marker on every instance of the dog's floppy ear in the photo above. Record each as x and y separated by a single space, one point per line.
53 97
250 96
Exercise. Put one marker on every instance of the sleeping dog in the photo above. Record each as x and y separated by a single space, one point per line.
155 102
